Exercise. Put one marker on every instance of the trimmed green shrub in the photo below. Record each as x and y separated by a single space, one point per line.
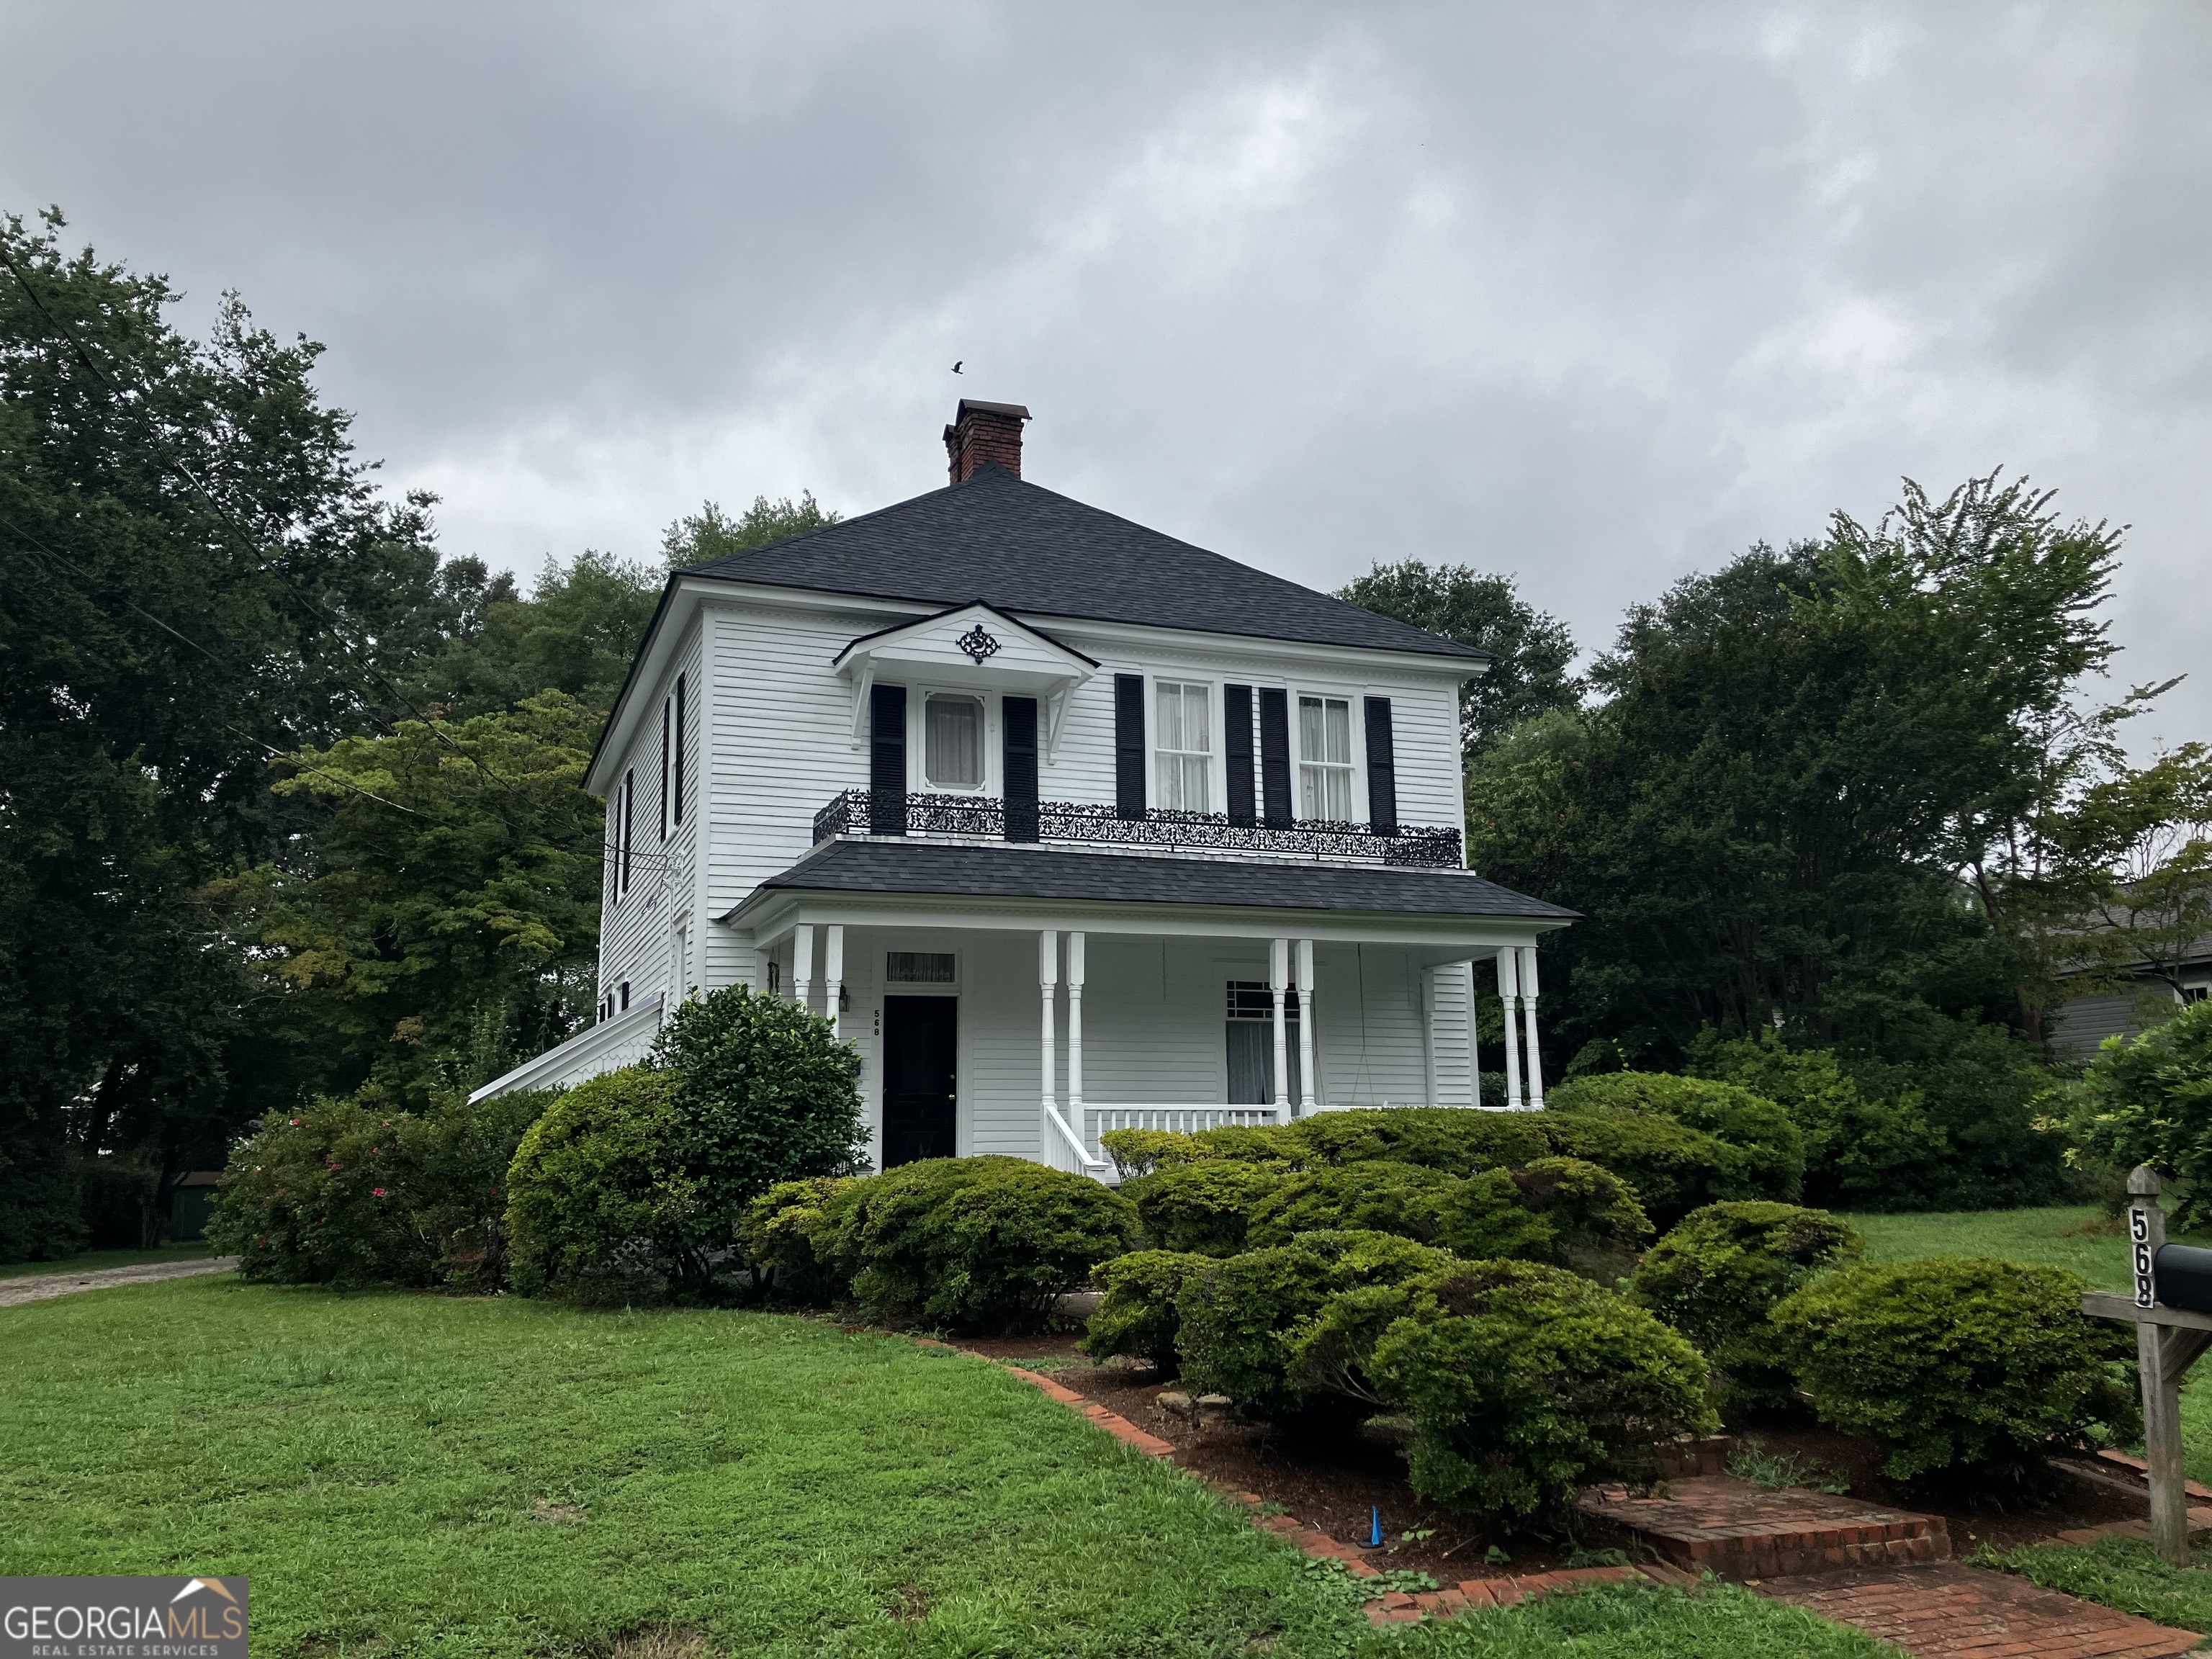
2150 1102
1958 1363
979 1243
768 1094
1240 1316
1204 1207
1672 1168
1390 1198
1139 1313
777 1239
1138 1153
1592 1214
1453 1139
1264 1143
341 1193
598 1194
1523 1380
1860 1153
1719 1273
1770 1148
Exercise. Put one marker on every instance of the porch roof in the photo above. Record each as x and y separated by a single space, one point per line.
1017 873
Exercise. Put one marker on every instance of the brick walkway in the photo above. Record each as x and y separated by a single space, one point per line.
1717 1523
1940 1611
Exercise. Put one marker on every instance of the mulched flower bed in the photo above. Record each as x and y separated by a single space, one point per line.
1335 1482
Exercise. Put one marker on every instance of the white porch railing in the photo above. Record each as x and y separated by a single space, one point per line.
609 1045
1177 1120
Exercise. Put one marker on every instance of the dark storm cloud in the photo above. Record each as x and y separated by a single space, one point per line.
1597 295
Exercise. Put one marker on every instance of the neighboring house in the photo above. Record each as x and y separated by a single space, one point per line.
2078 1026
1066 824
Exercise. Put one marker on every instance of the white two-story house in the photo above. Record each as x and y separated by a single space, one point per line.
1065 824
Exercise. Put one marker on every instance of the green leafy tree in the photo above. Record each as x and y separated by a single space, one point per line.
195 576
441 920
2149 1101
711 533
1533 649
577 633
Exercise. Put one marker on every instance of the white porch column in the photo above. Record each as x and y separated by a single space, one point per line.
1047 988
802 964
1075 1035
1279 981
1528 1003
833 974
1509 993
1309 1035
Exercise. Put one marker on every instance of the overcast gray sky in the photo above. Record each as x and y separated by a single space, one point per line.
1596 294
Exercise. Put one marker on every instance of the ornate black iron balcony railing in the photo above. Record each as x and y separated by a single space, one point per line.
859 812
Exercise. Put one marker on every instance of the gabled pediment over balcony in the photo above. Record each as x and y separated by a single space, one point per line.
971 644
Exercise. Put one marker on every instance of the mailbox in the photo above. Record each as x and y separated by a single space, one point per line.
2184 1276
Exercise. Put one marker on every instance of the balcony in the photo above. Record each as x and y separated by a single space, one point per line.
1068 823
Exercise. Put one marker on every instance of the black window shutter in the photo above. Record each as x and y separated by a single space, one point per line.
1236 752
682 747
887 760
1381 769
628 794
1275 759
1020 718
1129 746
667 757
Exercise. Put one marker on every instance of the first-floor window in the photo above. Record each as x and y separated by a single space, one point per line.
1252 1043
1325 758
952 742
1183 745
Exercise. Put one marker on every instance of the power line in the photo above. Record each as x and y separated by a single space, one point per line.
68 334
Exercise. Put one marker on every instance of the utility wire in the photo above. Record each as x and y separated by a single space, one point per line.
75 344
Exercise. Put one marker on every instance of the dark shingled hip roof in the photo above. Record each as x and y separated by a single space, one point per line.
1022 548
924 868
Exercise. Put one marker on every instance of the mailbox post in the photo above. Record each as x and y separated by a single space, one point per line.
2168 1340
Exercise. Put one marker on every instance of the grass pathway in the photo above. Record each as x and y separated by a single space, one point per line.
413 1474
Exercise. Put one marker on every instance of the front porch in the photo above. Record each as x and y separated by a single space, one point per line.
984 1032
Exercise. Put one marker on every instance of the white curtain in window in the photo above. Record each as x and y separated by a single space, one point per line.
1183 741
953 742
1325 758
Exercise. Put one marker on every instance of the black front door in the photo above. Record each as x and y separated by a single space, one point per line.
919 1069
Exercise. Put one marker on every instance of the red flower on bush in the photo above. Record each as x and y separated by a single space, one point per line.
380 1192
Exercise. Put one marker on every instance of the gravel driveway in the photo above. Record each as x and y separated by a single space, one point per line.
37 1287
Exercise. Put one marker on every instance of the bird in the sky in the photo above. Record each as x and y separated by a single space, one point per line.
956 367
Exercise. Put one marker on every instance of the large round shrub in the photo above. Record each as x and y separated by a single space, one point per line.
1672 1168
1770 1148
2150 1102
1204 1207
979 1243
1387 1198
1720 1271
777 1240
1523 1380
1140 1314
344 1192
767 1094
598 1191
1958 1363
1457 1142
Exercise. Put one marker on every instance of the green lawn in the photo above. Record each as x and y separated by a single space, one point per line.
415 1475
2120 1572
91 1259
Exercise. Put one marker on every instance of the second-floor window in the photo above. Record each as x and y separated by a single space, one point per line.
1183 746
1325 758
952 742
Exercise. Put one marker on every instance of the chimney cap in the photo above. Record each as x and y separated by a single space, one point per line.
1017 410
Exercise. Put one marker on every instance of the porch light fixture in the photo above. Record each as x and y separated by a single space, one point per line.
977 643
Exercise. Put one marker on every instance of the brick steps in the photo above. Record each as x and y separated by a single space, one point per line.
1730 1528
1947 1610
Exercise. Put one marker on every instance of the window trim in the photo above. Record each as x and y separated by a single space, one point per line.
1215 734
1353 766
986 728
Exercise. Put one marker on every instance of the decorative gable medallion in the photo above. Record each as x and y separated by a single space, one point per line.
977 643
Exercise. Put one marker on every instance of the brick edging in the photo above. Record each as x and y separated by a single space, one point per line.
1393 1607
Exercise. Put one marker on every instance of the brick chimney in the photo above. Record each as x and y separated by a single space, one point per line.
984 432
